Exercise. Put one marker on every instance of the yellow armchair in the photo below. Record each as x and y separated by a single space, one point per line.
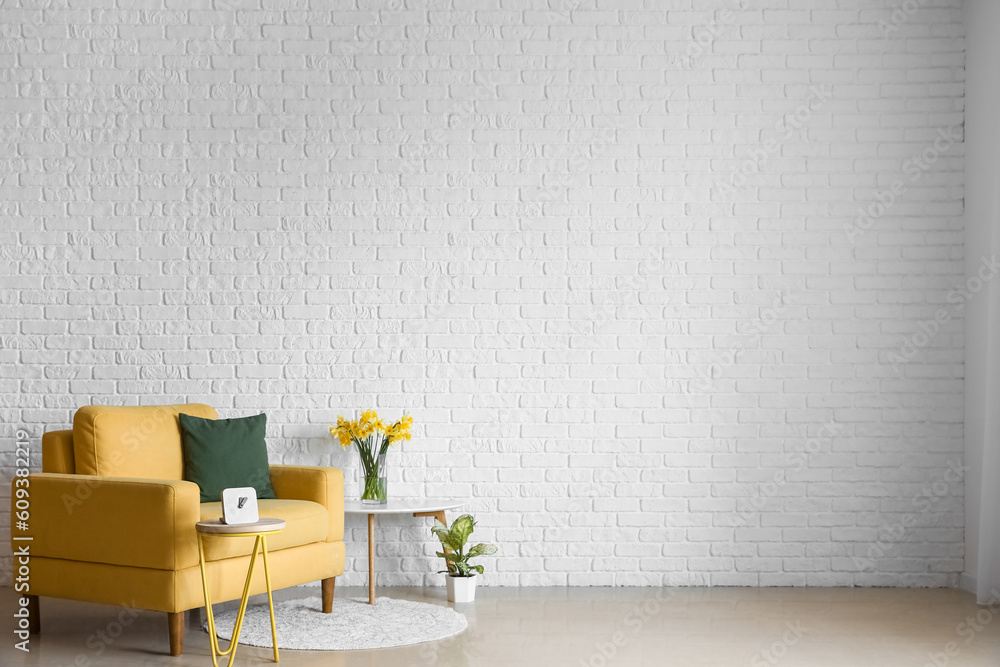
113 522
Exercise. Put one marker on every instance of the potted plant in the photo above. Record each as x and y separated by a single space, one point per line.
461 575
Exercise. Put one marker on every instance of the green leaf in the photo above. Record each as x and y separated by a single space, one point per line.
450 556
461 528
441 532
463 568
478 568
482 550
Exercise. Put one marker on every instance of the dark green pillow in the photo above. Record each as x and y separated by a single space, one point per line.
225 453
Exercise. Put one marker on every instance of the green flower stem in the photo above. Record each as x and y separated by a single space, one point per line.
374 485
374 489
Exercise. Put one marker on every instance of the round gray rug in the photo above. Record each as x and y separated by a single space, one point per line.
354 624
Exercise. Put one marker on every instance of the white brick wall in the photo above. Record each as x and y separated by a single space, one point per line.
610 257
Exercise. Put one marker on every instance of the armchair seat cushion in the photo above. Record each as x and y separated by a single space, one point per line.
305 522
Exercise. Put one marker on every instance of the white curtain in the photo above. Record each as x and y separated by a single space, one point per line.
982 319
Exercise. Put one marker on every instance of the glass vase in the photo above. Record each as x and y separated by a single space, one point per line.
372 479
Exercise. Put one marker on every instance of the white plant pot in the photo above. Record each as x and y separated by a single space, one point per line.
461 589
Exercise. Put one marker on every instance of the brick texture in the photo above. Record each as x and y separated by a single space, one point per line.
668 287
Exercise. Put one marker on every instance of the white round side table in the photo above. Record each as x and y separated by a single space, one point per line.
418 507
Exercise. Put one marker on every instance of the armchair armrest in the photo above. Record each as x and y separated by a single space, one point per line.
57 452
320 485
114 520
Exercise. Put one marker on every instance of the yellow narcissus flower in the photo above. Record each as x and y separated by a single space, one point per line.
347 431
368 423
400 430
344 430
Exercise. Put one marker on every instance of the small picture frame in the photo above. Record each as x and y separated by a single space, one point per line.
239 505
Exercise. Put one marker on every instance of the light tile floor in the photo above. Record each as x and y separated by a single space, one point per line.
588 627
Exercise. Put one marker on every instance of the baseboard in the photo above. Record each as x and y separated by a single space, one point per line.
967 582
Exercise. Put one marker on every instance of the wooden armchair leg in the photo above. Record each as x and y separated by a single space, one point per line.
328 585
34 620
175 624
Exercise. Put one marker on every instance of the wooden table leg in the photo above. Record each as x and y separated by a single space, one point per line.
34 620
371 559
329 585
439 515
175 629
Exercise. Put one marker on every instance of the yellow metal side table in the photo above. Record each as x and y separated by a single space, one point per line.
261 529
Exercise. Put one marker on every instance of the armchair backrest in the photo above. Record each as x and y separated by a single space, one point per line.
132 441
